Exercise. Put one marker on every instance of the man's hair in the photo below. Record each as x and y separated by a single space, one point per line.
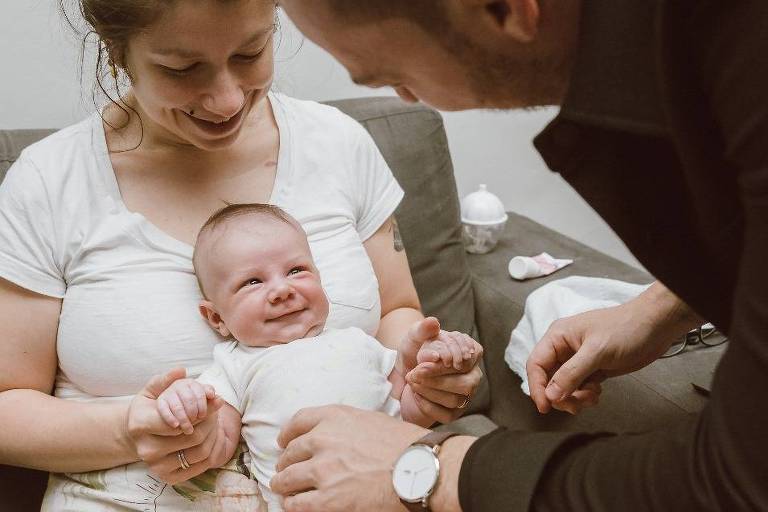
430 14
232 211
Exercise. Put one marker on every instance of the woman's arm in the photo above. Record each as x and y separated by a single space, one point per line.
400 306
36 429
47 433
439 390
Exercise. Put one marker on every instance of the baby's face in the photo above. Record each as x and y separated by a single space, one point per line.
262 282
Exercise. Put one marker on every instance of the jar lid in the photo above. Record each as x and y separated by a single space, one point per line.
482 207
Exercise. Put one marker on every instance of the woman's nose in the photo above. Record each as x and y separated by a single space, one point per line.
279 292
226 96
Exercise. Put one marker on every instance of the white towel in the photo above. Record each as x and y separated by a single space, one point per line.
557 299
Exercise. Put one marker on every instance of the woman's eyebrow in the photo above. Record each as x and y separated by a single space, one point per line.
187 54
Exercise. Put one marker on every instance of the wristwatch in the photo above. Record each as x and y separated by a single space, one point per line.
417 470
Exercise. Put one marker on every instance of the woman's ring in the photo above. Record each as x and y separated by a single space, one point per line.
182 459
465 403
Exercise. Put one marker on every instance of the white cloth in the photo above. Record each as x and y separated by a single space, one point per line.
129 293
558 299
269 385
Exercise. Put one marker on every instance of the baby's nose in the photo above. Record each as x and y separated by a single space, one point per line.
280 292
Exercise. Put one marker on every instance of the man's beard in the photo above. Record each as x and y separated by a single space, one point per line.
510 81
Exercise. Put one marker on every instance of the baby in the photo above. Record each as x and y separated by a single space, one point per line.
262 290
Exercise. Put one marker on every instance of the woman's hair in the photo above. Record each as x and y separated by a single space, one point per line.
111 24
429 14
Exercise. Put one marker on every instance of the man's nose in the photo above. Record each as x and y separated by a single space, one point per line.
406 95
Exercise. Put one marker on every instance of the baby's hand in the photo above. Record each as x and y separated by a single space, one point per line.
452 348
185 403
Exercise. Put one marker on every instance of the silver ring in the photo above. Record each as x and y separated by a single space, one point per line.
183 459
465 403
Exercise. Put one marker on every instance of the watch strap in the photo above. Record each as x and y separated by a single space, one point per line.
435 438
431 440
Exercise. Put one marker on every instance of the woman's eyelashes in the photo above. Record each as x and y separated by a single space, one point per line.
249 58
241 58
178 72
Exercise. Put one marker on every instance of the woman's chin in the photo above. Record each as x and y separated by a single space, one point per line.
215 144
210 136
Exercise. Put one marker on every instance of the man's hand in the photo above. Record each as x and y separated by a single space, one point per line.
338 458
577 353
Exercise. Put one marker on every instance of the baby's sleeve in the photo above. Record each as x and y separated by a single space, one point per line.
385 357
219 376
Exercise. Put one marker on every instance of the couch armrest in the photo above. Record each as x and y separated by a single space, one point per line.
642 400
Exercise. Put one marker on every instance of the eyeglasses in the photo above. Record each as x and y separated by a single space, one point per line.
705 336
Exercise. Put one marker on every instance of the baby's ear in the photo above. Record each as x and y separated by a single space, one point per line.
208 312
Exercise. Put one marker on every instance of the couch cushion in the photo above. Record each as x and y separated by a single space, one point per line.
412 140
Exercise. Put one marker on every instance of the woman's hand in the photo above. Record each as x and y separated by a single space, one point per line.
166 449
577 353
442 393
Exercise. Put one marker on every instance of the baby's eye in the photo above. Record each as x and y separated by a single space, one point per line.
252 282
295 270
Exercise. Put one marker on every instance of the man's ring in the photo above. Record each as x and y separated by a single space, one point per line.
182 459
465 403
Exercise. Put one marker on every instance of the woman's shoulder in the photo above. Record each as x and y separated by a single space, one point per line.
60 165
62 146
315 115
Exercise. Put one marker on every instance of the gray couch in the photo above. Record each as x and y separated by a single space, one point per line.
470 293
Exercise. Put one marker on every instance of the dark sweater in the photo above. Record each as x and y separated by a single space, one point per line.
664 132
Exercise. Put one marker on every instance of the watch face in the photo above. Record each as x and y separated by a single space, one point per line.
415 473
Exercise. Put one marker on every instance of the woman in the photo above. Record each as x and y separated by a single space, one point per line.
97 224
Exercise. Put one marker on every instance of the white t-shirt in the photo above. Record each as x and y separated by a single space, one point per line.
269 385
129 293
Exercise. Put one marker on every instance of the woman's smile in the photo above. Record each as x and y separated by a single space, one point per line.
221 128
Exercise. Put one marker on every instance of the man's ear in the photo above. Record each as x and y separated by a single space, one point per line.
208 312
516 18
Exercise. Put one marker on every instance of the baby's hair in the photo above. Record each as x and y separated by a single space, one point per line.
233 211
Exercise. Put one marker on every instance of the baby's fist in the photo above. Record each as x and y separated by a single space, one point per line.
452 349
185 403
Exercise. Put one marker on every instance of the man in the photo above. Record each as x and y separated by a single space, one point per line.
662 129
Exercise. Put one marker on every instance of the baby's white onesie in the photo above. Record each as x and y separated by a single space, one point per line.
269 385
